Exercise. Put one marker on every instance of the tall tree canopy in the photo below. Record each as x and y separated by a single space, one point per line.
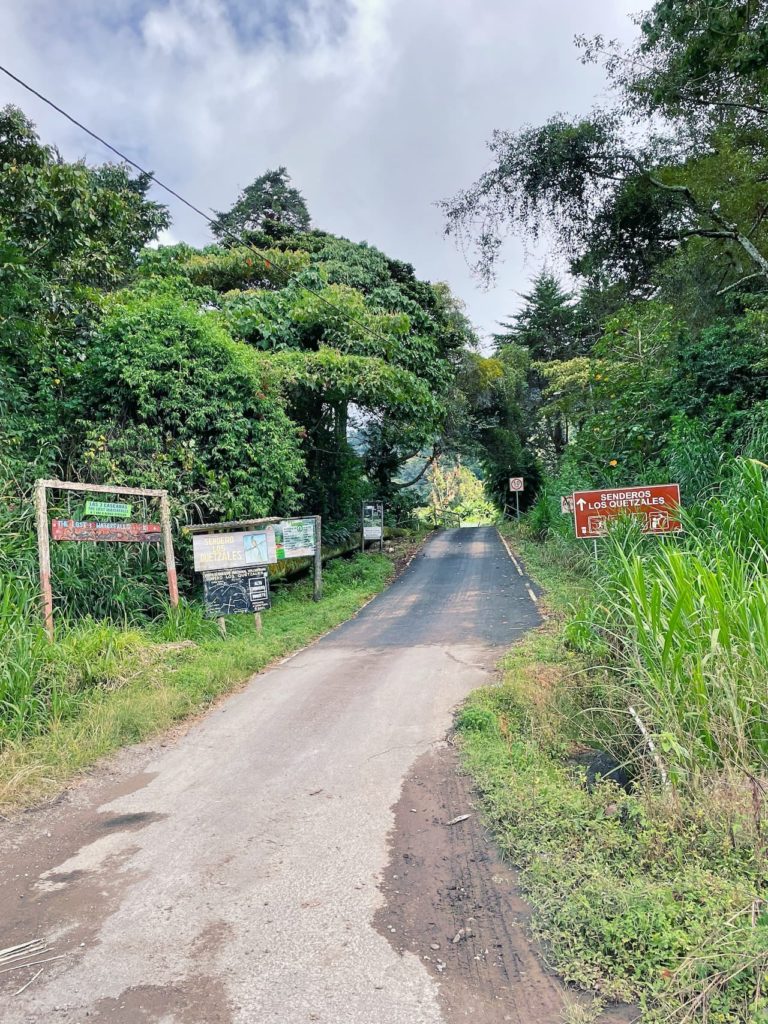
301 377
270 204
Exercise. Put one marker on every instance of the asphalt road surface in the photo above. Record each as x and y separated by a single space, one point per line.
232 874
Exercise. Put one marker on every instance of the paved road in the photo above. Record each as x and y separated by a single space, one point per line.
232 875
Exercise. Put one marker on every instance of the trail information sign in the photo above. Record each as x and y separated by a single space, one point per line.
233 591
295 538
658 506
85 530
373 520
516 484
111 509
234 550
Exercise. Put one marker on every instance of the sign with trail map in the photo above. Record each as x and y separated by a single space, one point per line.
234 591
657 506
86 530
234 550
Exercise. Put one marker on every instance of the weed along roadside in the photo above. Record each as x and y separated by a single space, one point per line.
647 871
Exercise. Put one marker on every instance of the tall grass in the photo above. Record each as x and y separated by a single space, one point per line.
687 622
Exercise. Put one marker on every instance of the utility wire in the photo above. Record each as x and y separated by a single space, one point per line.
196 209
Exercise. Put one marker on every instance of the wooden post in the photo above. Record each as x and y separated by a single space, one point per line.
318 571
381 538
44 555
257 622
221 623
170 561
362 528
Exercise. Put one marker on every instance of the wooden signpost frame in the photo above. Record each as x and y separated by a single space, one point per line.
43 538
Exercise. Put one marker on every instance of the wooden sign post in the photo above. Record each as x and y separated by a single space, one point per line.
97 532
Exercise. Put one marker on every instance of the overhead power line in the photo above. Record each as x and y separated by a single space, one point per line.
177 195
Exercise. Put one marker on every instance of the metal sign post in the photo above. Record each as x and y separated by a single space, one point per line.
372 523
72 530
516 485
657 506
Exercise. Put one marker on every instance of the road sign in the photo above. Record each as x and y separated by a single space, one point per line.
86 530
232 591
566 504
516 483
656 505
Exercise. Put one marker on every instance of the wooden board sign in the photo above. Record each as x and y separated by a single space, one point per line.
234 550
85 530
657 506
235 591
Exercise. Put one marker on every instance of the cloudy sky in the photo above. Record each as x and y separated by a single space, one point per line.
377 107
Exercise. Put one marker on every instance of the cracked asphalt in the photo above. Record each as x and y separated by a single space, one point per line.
232 875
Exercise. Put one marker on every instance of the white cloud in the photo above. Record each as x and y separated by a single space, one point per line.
377 107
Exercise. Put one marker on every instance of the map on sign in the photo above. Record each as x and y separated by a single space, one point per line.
233 591
657 506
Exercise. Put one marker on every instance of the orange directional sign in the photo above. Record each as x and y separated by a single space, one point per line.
658 506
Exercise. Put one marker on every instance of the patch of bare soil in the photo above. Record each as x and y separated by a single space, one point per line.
453 902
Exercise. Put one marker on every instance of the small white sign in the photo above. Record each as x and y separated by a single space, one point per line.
516 483
566 504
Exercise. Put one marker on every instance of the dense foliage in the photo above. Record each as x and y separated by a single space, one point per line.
650 365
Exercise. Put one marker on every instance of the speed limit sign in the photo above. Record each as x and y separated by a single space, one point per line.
516 483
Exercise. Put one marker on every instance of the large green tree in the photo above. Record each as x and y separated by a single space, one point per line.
270 205
68 233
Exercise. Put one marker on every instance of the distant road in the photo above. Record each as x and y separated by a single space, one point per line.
231 874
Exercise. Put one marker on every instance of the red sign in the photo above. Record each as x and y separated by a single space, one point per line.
72 529
658 506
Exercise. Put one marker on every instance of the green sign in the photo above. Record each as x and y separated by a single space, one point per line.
295 538
111 509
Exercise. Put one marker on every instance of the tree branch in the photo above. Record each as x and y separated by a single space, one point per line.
758 273
420 474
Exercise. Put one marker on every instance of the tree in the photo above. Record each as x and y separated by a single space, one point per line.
270 205
68 233
702 61
547 323
547 327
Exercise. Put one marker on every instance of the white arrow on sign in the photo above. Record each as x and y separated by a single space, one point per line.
581 503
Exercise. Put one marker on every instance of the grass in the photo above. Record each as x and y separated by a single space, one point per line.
107 687
657 896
